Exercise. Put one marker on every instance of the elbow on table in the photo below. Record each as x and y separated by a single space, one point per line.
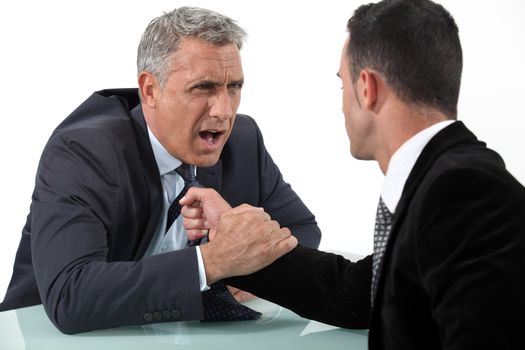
68 318
67 323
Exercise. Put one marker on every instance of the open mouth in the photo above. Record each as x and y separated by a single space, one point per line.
210 136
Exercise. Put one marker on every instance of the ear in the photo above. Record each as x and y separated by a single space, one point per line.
368 80
148 88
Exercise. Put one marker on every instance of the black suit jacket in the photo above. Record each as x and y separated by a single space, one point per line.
452 275
96 206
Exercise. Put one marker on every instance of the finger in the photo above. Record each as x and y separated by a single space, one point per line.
255 212
192 212
243 296
196 234
275 226
281 234
211 234
284 246
195 224
233 290
197 204
240 295
194 194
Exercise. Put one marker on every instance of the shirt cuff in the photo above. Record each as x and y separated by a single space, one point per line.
202 272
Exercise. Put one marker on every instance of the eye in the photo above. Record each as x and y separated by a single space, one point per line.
236 85
203 86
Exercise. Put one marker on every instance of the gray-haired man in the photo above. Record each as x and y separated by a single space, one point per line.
97 250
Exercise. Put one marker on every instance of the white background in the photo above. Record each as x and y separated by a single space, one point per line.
55 54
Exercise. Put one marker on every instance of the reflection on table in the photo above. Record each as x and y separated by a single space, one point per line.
279 328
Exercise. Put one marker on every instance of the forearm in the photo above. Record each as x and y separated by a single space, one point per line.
96 294
81 291
316 285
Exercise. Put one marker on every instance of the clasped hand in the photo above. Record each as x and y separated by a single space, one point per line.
242 240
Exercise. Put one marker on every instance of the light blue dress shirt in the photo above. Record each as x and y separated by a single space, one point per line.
172 184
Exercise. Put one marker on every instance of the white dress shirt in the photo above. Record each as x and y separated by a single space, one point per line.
172 184
403 161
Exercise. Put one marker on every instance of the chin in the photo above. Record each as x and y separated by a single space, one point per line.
205 161
356 154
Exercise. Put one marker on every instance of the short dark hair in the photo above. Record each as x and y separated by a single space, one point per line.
415 45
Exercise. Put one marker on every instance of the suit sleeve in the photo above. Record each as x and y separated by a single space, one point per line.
471 252
73 208
282 203
316 285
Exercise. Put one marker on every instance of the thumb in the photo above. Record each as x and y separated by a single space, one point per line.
285 246
194 194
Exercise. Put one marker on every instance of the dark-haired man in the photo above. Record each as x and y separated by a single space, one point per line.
449 241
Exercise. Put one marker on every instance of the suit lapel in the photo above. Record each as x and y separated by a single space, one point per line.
151 174
208 177
447 138
211 176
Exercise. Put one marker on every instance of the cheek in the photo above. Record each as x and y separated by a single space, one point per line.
348 99
176 126
347 108
181 116
350 129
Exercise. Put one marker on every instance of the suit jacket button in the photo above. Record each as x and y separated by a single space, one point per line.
176 313
166 314
157 315
148 317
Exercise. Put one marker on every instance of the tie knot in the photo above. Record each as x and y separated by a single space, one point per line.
186 172
383 211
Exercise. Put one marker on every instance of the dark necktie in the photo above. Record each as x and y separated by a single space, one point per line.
186 172
219 303
383 226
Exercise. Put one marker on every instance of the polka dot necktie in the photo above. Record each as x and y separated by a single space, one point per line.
188 175
383 226
219 303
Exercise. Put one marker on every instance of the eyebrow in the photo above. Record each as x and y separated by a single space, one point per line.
240 82
214 83
339 75
207 82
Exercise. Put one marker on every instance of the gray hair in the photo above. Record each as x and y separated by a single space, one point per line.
163 35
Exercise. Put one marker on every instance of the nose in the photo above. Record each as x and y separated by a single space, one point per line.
222 106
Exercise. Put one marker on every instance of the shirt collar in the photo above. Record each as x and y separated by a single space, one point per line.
403 161
165 161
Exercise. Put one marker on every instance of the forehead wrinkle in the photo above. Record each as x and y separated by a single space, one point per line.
198 66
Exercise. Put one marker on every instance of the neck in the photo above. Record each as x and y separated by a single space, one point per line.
399 124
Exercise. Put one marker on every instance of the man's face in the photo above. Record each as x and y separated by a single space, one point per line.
358 123
193 115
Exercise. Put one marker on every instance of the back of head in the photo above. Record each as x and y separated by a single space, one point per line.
415 45
164 34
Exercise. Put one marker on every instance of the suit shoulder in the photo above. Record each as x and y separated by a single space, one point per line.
475 168
245 130
104 137
102 111
465 172
108 122
243 120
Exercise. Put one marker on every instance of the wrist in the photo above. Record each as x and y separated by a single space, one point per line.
212 265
